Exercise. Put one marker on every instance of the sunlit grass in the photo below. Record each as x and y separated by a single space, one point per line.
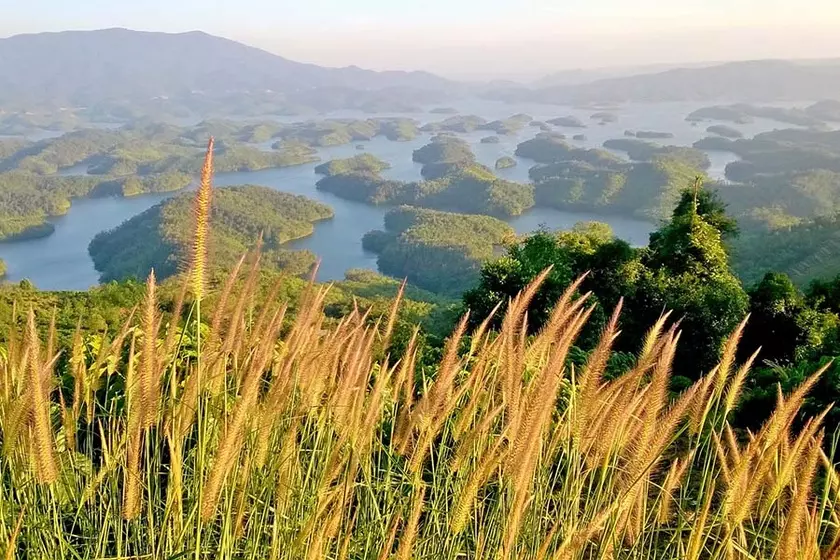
249 435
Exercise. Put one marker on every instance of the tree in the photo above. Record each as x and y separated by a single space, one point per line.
610 264
687 271
502 279
783 324
708 205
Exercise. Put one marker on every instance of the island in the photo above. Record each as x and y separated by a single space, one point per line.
653 135
569 122
363 163
505 162
454 181
161 238
490 140
459 123
604 117
743 113
640 150
593 180
437 251
551 148
510 125
725 131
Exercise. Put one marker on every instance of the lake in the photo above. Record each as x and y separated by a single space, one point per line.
61 261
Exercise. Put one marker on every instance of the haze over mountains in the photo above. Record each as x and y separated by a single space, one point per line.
82 68
762 80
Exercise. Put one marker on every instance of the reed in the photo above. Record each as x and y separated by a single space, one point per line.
315 439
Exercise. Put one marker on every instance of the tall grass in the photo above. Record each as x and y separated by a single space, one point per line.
261 437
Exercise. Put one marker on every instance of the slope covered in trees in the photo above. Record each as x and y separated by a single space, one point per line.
439 251
572 178
784 178
160 237
454 182
124 162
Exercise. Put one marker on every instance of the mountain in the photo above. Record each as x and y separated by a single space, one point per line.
577 76
762 80
84 67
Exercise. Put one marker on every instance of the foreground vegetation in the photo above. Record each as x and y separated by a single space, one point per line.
261 431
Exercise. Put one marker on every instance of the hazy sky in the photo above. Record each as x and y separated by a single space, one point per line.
483 38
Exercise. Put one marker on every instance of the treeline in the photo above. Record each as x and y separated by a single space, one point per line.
105 308
159 238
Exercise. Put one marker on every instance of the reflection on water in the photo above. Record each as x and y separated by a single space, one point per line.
61 261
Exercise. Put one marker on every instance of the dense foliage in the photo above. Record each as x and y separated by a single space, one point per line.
360 164
438 251
595 180
454 182
505 162
685 269
160 237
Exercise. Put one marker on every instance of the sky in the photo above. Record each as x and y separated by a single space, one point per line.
470 38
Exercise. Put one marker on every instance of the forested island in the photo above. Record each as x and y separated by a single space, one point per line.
725 131
159 238
439 251
152 158
568 122
505 162
454 182
572 178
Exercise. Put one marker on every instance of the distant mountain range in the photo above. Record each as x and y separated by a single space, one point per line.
124 73
84 67
764 80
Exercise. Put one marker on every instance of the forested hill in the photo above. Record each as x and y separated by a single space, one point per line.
761 80
242 216
83 67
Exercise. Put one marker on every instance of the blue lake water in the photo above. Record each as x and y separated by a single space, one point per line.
61 261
